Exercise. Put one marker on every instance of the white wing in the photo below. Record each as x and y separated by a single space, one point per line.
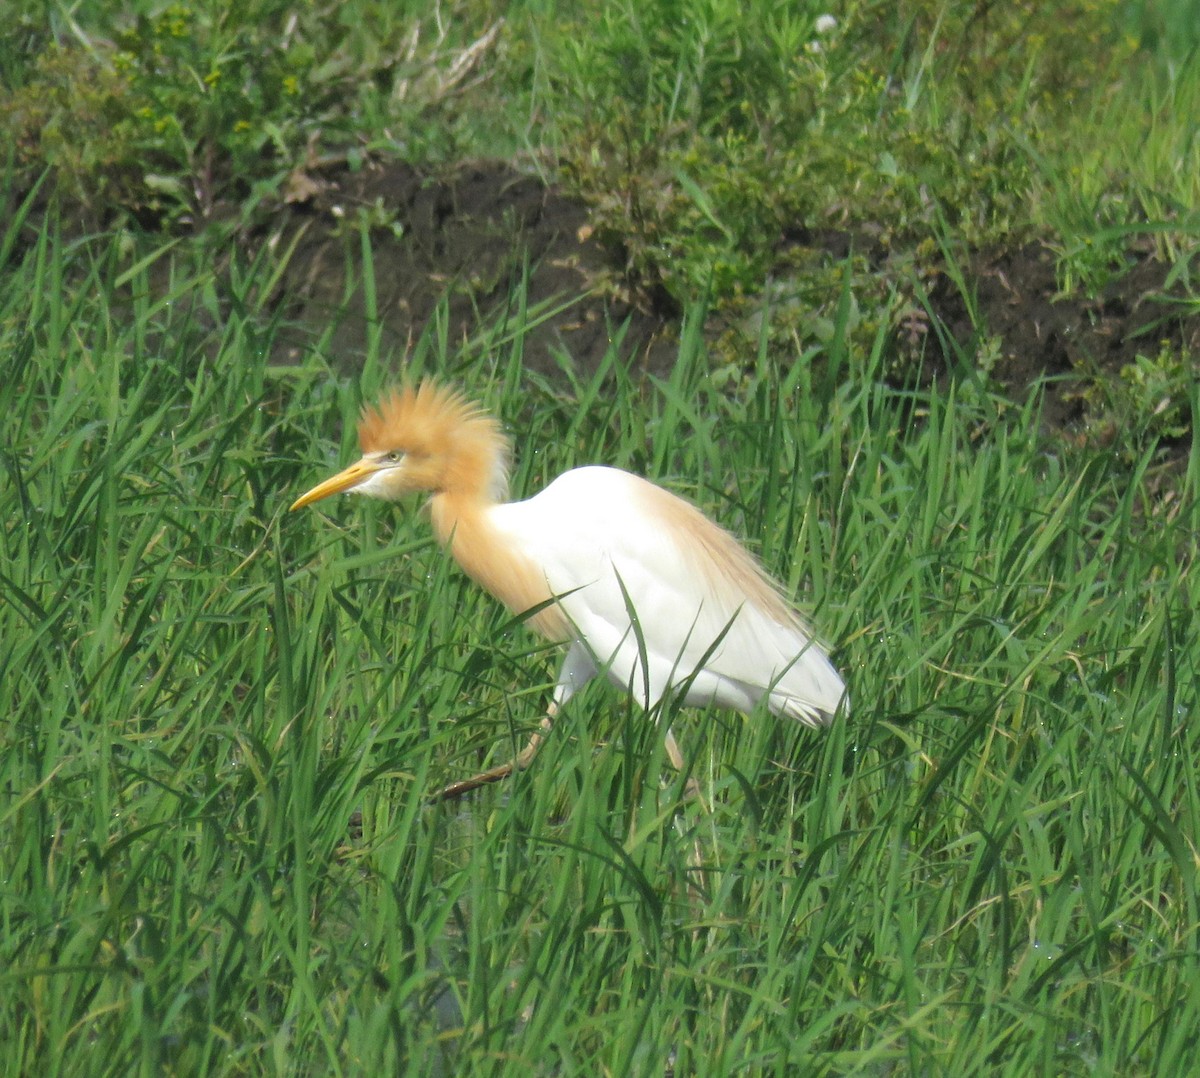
709 624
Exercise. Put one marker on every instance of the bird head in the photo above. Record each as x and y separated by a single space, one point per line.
425 439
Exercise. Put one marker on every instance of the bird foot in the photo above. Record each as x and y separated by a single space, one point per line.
494 774
464 786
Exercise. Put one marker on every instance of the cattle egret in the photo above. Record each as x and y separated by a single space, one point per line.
635 582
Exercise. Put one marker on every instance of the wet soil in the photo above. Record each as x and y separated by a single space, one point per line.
467 238
470 234
1070 342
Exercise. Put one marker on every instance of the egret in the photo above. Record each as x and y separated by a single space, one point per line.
634 581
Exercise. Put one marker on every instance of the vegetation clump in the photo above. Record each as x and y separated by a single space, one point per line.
186 112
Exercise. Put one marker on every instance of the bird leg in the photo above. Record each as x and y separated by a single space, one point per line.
577 670
494 774
698 884
675 755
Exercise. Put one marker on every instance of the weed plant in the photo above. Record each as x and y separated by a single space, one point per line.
210 115
220 724
704 134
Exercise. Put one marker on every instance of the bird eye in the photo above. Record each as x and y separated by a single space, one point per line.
394 457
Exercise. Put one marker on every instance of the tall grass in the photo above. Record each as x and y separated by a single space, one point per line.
220 724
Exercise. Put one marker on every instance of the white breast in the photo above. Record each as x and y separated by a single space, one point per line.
641 581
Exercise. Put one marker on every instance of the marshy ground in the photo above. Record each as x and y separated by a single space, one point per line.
468 236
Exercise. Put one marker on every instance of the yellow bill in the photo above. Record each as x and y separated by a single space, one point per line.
347 479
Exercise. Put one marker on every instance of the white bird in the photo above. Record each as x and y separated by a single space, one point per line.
637 583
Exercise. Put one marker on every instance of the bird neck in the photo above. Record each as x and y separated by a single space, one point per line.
465 526
455 513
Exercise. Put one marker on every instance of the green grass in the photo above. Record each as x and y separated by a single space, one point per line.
988 868
220 722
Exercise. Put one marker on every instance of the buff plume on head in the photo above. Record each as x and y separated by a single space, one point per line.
427 439
432 422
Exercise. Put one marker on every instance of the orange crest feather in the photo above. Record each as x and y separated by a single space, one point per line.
432 421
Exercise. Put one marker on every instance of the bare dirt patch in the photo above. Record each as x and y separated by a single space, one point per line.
470 234
1069 342
467 237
